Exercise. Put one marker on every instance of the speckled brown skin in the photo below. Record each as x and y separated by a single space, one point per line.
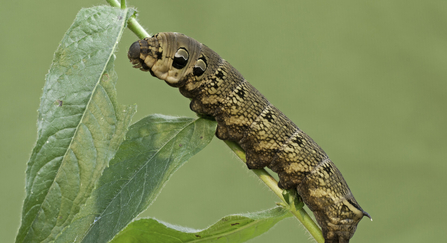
246 117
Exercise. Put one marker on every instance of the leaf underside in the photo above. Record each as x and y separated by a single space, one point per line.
232 228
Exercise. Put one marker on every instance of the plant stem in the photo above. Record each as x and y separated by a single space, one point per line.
114 3
268 179
132 24
137 29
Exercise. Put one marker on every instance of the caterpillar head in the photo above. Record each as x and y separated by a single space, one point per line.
168 56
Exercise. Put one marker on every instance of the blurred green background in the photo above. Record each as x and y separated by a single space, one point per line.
366 80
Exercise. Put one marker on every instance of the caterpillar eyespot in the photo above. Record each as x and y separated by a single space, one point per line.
246 117
180 58
200 67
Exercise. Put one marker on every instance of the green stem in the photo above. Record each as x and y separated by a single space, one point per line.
114 3
271 182
137 29
132 24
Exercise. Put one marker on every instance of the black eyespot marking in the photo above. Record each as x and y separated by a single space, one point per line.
180 58
200 67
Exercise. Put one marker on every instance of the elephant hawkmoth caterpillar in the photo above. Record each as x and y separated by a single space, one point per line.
246 117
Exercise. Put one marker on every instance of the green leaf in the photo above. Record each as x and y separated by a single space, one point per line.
80 125
233 228
155 147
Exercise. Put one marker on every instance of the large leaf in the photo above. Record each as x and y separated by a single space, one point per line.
80 124
233 228
155 147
